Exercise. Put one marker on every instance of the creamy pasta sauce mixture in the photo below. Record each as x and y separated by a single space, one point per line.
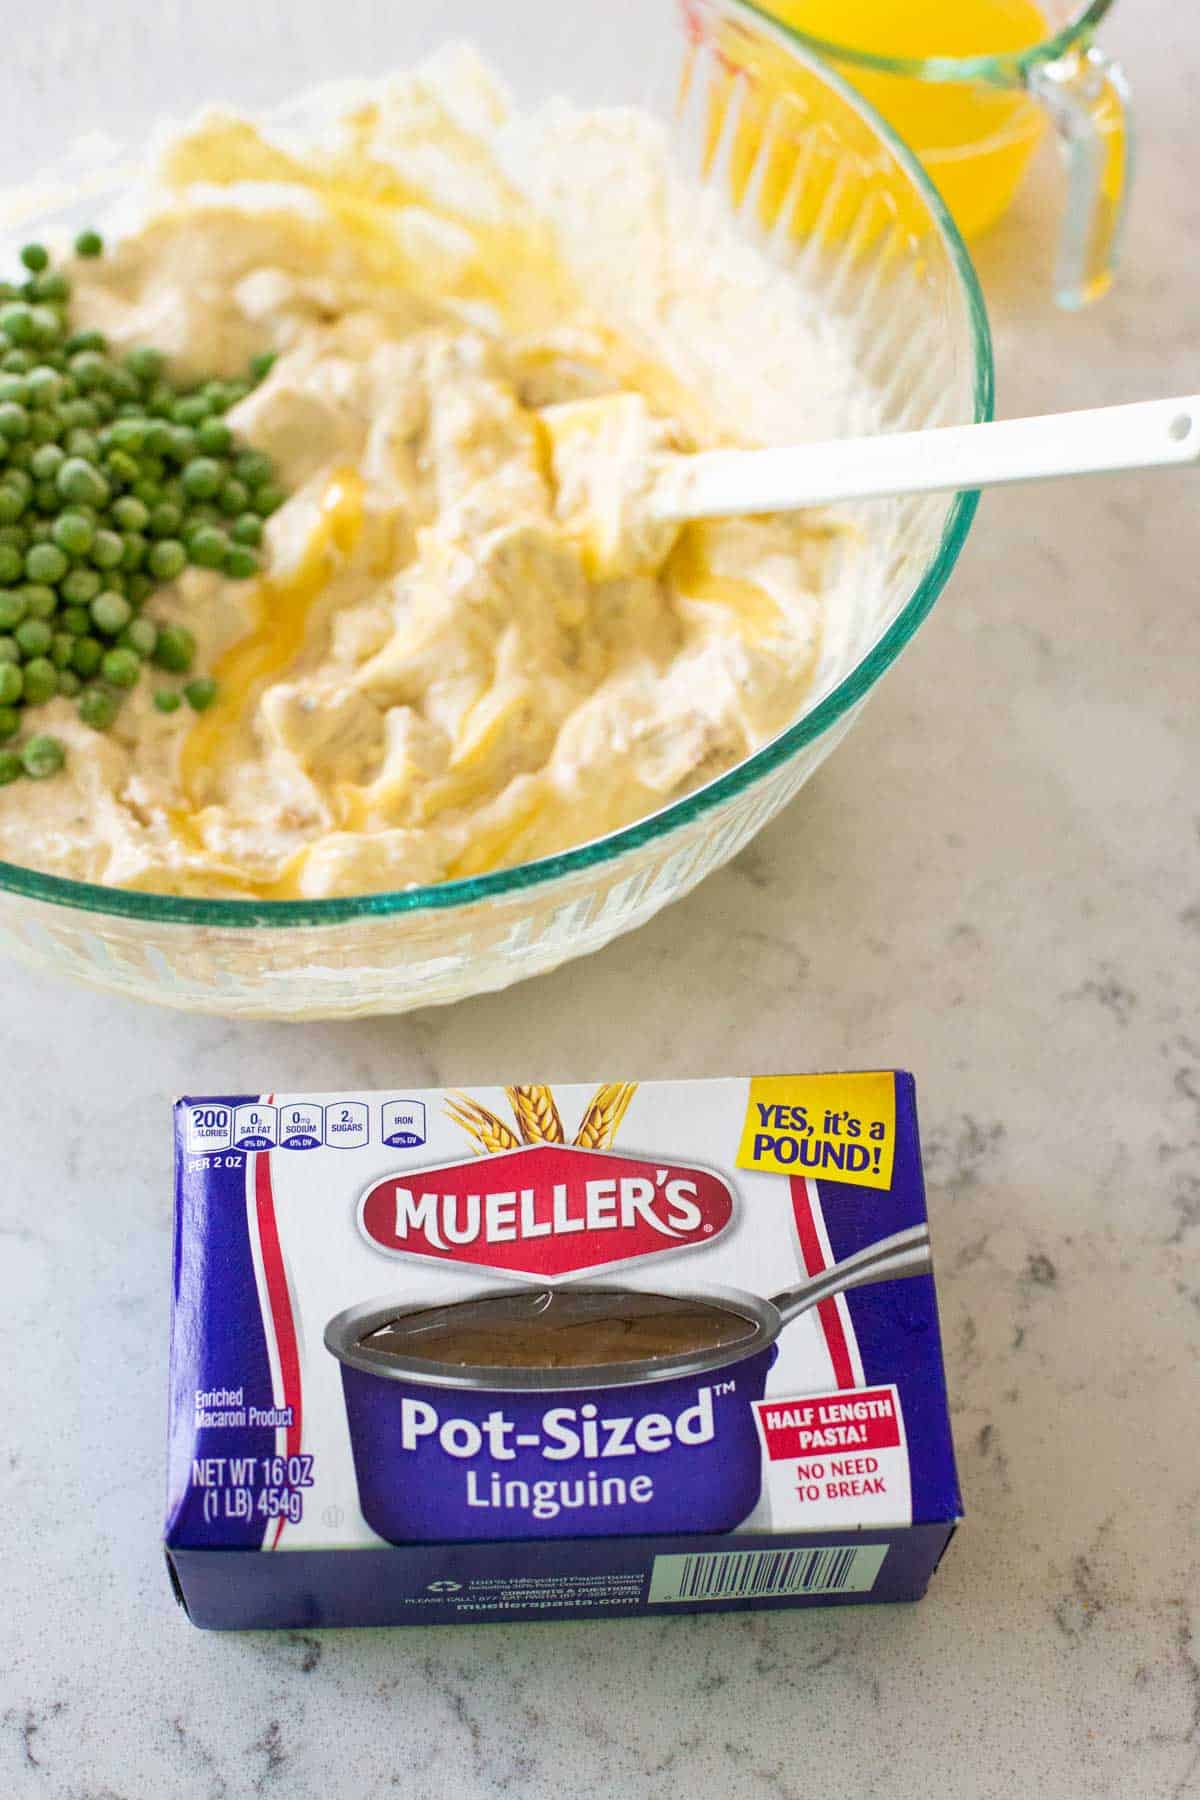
471 646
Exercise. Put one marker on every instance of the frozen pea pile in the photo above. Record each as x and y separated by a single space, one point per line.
112 480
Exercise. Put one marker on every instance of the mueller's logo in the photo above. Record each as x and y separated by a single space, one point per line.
546 1210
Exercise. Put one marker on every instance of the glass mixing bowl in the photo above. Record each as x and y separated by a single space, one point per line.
806 168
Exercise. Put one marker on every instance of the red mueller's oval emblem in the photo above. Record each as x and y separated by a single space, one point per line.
545 1210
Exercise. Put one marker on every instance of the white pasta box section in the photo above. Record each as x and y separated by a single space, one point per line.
554 1351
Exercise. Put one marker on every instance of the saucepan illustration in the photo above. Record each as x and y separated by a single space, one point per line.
542 1442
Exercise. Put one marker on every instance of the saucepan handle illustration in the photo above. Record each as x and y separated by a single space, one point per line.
904 1253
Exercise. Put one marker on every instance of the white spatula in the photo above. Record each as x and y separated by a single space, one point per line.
1152 434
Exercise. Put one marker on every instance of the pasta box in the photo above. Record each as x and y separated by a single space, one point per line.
554 1352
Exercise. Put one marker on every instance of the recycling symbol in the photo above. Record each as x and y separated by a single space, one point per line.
443 1587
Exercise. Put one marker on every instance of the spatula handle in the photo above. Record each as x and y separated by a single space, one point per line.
719 483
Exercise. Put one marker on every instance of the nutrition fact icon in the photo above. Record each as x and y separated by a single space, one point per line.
301 1127
347 1125
209 1128
403 1123
255 1127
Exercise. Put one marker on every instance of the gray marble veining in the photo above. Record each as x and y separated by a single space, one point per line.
995 882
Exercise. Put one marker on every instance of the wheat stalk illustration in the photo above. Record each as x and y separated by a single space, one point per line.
537 1116
488 1132
603 1114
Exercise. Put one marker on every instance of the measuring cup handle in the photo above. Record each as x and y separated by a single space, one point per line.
1087 96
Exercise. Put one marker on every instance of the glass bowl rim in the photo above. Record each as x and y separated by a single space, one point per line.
249 913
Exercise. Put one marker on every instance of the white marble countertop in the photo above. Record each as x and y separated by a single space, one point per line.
995 882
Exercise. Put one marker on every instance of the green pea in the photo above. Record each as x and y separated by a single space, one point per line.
46 562
191 410
121 668
124 388
128 434
167 700
262 364
253 468
10 650
80 586
52 286
240 563
12 684
130 513
87 656
214 437
207 547
46 325
41 681
35 257
247 530
18 362
121 466
139 587
267 499
134 550
174 649
61 648
84 443
140 635
14 390
10 767
165 519
48 459
10 722
203 478
147 491
11 564
12 503
183 444
200 693
146 364
14 421
75 619
42 756
90 369
234 497
160 400
39 530
110 612
167 559
69 683
34 636
44 427
45 498
41 602
16 322
20 480
80 414
74 533
89 243
77 481
13 608
107 549
97 708
85 340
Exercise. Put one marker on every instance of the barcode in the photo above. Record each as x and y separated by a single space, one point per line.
758 1574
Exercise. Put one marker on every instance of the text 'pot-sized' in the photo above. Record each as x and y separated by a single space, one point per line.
571 1411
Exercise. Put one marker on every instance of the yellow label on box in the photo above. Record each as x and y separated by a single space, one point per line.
840 1126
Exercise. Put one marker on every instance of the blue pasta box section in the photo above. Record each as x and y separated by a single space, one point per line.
554 1351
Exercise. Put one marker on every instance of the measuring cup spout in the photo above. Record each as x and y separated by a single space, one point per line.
892 1258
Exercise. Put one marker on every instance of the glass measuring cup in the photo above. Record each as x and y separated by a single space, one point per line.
969 85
